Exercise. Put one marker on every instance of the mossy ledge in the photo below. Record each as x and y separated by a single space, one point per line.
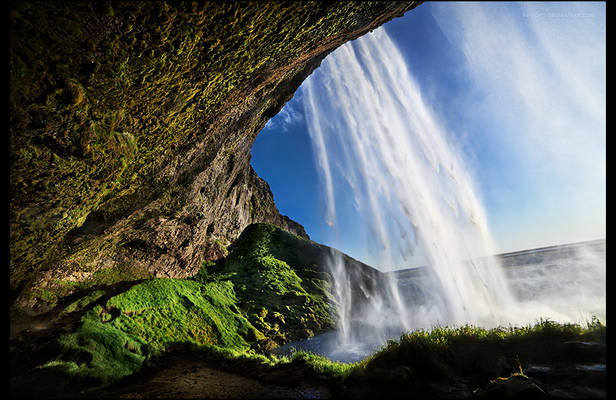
131 125
272 287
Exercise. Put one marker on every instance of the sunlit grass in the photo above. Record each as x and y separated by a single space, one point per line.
444 352
440 352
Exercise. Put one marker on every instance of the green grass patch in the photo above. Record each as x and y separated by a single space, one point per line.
441 353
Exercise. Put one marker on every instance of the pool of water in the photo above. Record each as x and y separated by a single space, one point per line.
328 345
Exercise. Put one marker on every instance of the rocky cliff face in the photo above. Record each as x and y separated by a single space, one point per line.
131 126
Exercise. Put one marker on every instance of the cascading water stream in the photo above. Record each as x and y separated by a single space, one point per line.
372 133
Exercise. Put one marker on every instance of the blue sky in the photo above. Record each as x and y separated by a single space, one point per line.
522 89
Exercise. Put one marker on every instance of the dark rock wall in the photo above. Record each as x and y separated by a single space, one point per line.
131 126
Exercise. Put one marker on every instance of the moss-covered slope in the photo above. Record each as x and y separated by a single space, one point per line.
283 281
131 125
272 287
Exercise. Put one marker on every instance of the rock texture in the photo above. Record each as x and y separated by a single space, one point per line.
131 126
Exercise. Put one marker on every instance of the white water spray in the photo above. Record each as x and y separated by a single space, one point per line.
372 131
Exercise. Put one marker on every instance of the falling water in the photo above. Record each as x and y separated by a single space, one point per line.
373 133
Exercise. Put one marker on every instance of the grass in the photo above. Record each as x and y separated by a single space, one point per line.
430 356
322 365
442 353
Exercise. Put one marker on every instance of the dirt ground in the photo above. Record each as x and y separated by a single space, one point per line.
189 379
183 375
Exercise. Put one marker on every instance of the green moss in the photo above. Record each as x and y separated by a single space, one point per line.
50 297
234 303
270 269
98 352
83 302
164 311
206 314
113 340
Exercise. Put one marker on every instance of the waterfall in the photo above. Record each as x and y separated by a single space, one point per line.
377 141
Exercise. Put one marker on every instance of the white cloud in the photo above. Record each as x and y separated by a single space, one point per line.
286 119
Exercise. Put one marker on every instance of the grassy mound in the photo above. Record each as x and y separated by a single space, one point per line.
281 282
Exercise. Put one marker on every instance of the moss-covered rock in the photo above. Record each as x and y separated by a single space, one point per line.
131 125
283 282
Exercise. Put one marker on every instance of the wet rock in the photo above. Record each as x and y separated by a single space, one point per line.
517 386
582 351
266 345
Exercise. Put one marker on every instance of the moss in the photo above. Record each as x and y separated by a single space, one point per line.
235 303
58 289
163 311
206 314
83 302
113 340
48 296
98 352
267 266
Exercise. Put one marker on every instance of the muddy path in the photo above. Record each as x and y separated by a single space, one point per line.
186 375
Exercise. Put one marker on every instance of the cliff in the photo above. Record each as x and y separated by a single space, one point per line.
131 125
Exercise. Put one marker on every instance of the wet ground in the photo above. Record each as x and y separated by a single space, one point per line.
188 375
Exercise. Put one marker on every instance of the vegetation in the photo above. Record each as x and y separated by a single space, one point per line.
203 315
239 305
423 357
281 287
113 340
270 290
98 352
490 352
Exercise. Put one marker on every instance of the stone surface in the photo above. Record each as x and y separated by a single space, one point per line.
517 386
